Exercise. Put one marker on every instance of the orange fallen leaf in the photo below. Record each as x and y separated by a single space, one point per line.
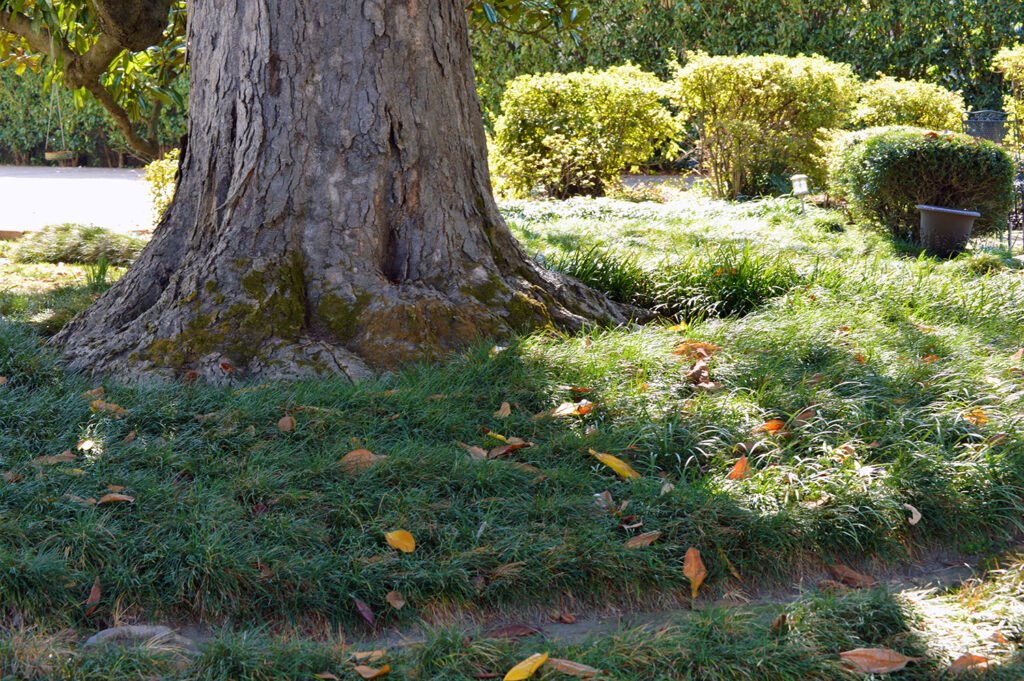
401 540
114 498
616 464
645 539
395 599
968 662
286 424
875 660
851 577
572 668
94 393
564 617
977 417
370 672
94 598
3 379
859 358
740 470
101 407
693 568
358 460
928 359
691 349
129 438
526 668
772 427
504 411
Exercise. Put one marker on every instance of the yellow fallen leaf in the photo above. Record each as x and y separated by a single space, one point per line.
681 326
112 498
572 668
693 568
370 672
286 424
358 460
401 540
977 417
616 464
645 539
526 668
504 411
875 660
968 662
740 470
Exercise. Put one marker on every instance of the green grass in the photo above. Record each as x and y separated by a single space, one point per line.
905 361
72 243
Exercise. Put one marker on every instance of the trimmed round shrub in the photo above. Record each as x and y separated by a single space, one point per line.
761 117
572 134
885 173
889 101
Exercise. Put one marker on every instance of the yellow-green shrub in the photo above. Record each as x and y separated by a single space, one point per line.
890 101
572 134
1009 61
160 176
760 117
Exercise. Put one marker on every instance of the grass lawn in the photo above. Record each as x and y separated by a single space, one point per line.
852 386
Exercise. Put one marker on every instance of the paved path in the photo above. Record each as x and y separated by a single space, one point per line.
32 197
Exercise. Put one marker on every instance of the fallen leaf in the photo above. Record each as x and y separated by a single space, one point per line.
830 586
681 326
842 330
645 539
475 453
693 568
3 379
779 624
851 577
401 540
875 660
94 393
977 417
115 498
817 503
504 450
129 438
772 427
804 417
190 377
915 515
580 391
10 477
524 467
101 407
699 372
86 445
286 424
564 617
859 358
504 411
691 349
968 662
512 631
115 488
358 460
616 464
226 366
928 359
740 470
94 598
365 612
80 500
370 672
395 599
64 457
666 488
604 501
572 668
1018 355
998 638
526 668
369 655
326 675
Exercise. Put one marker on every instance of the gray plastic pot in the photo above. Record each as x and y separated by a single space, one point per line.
945 231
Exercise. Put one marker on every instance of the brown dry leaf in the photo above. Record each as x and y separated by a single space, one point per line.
190 377
915 515
115 498
369 655
693 568
436 397
94 598
101 407
395 599
10 477
968 662
645 539
326 675
1018 355
64 457
504 411
564 617
998 638
129 438
286 424
95 393
91 501
851 577
475 453
524 467
830 586
365 612
370 672
604 501
580 391
804 417
699 372
358 460
504 450
3 379
666 488
115 488
779 624
875 660
740 470
572 668
401 540
772 427
691 349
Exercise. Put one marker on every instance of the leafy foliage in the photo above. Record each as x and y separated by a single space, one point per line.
77 244
759 117
891 101
573 134
886 172
160 175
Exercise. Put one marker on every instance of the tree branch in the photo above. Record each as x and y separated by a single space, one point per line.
124 123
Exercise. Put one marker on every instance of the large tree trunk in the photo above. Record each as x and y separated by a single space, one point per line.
334 210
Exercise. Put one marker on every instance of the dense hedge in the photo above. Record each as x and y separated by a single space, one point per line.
931 40
572 134
88 129
760 117
886 172
891 101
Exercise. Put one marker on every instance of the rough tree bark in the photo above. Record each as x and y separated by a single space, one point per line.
334 210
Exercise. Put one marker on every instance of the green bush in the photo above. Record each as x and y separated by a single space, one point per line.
889 101
1009 61
572 134
761 118
160 176
79 244
885 172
